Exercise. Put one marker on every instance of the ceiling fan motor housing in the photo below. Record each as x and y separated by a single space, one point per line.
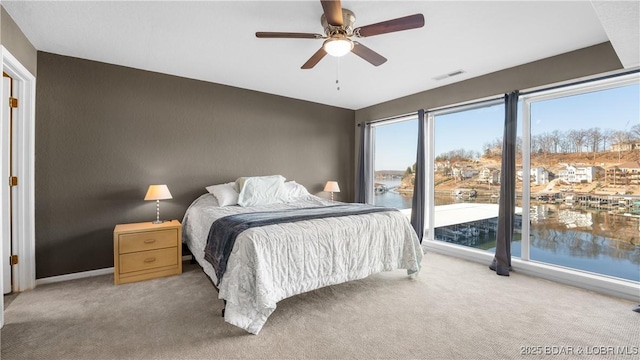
348 18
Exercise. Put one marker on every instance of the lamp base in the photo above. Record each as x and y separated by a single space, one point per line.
158 221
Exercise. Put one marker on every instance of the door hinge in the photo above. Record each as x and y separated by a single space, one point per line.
13 260
13 181
13 102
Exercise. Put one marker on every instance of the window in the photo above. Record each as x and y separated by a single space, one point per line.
395 144
467 166
577 180
584 183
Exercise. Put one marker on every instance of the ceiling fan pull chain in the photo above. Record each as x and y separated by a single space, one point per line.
338 75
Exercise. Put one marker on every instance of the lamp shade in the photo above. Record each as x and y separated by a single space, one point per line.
332 186
158 192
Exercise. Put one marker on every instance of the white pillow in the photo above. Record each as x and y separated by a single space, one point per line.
263 190
295 190
240 183
226 194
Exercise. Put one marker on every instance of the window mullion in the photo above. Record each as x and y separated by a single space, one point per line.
430 161
526 180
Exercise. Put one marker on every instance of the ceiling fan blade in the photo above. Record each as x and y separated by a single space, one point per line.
314 59
288 35
404 23
371 56
333 12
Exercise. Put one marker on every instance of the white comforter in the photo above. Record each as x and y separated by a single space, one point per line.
270 263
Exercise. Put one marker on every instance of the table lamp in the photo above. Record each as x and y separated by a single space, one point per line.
332 186
157 193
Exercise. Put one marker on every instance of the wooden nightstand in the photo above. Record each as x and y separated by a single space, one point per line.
144 251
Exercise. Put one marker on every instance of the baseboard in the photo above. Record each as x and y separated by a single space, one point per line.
599 283
85 274
74 276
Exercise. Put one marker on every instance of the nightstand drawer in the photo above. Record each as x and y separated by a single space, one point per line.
148 240
148 260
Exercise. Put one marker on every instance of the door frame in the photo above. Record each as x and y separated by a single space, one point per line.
23 241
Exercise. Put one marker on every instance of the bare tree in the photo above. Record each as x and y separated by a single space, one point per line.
492 147
548 143
594 138
545 143
535 143
555 139
486 148
458 155
621 138
578 139
497 143
607 135
635 132
565 144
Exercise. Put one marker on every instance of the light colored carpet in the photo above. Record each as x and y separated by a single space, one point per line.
454 310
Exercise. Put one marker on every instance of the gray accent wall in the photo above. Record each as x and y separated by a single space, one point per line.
104 133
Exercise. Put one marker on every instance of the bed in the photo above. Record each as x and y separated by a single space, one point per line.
272 262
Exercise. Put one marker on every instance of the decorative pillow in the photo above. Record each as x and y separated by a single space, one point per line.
295 190
226 194
263 190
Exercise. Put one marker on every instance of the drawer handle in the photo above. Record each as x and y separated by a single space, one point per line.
150 241
149 260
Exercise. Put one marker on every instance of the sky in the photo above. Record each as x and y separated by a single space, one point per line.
616 109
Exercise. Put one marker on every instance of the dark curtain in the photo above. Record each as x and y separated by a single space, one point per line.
364 174
419 188
502 261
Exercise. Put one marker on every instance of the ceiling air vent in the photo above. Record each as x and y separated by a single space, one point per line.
454 73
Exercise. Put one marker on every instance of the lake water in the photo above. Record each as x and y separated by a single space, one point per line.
588 240
392 198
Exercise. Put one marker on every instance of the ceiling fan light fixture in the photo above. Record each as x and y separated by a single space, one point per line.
338 46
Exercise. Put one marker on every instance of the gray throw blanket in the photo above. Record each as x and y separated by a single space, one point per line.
224 231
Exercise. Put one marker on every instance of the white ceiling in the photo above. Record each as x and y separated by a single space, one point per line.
214 41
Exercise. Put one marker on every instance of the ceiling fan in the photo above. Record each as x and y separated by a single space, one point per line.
338 27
